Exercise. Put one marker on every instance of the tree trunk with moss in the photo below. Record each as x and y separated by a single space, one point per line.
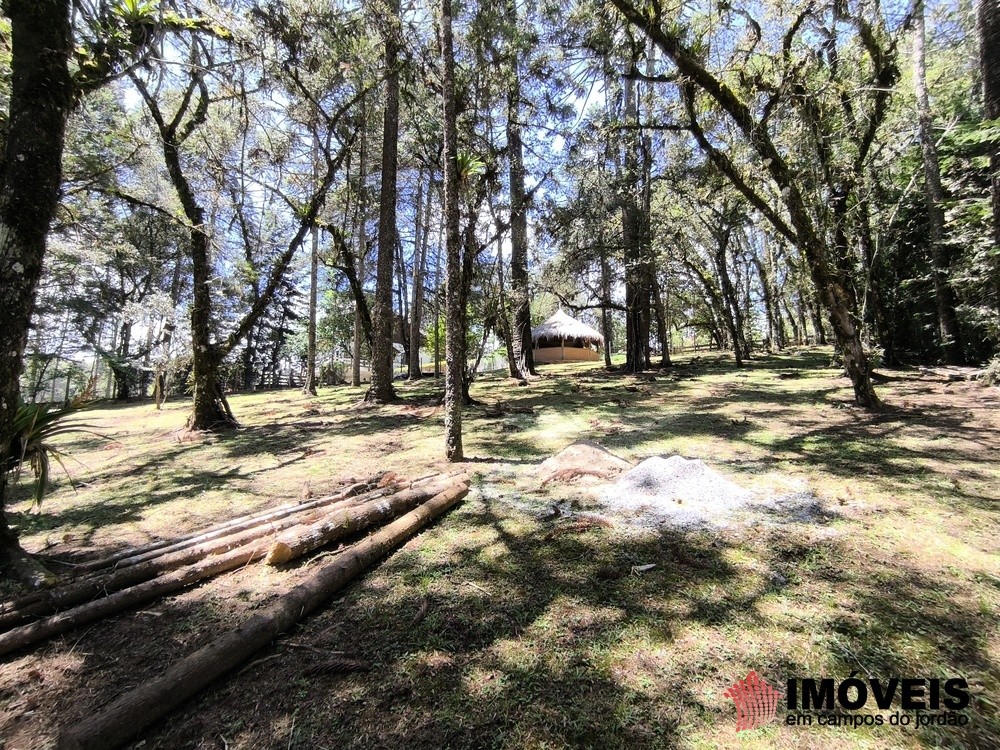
41 99
454 330
793 215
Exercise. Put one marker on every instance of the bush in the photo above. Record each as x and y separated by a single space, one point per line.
991 375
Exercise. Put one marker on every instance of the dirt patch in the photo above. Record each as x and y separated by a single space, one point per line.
584 459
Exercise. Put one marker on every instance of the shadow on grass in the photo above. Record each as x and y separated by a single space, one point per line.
459 678
493 634
490 631
87 519
894 620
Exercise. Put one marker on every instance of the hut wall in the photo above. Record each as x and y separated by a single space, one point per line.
564 354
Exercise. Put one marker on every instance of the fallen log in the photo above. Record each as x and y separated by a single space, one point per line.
141 593
342 523
385 481
175 580
146 552
132 712
87 588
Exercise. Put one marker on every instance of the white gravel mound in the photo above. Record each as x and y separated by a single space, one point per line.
677 491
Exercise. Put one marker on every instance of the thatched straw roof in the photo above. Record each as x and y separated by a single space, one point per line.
562 326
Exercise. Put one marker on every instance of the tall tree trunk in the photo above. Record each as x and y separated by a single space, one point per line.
523 363
402 312
361 251
211 410
381 390
649 287
771 267
309 381
503 317
606 329
160 377
988 18
41 97
470 249
662 328
873 325
636 301
816 310
249 357
800 313
309 386
944 297
250 345
730 303
420 235
454 346
796 334
769 305
120 368
437 292
167 337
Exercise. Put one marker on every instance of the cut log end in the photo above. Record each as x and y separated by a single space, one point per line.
279 554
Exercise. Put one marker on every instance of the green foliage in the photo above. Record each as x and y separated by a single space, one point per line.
136 11
34 427
470 166
335 328
435 331
120 39
991 375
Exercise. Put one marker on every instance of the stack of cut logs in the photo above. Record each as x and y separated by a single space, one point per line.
276 536
105 587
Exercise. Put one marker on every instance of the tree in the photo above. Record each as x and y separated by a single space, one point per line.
454 328
521 363
934 196
381 390
41 98
201 152
309 386
421 234
989 63
635 238
42 95
836 137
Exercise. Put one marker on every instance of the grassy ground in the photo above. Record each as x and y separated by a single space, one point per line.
490 631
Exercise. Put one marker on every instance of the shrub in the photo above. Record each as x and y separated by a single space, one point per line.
991 375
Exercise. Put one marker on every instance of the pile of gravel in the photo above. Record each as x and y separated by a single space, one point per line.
686 493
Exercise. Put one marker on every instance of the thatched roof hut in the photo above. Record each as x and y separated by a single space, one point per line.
562 338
